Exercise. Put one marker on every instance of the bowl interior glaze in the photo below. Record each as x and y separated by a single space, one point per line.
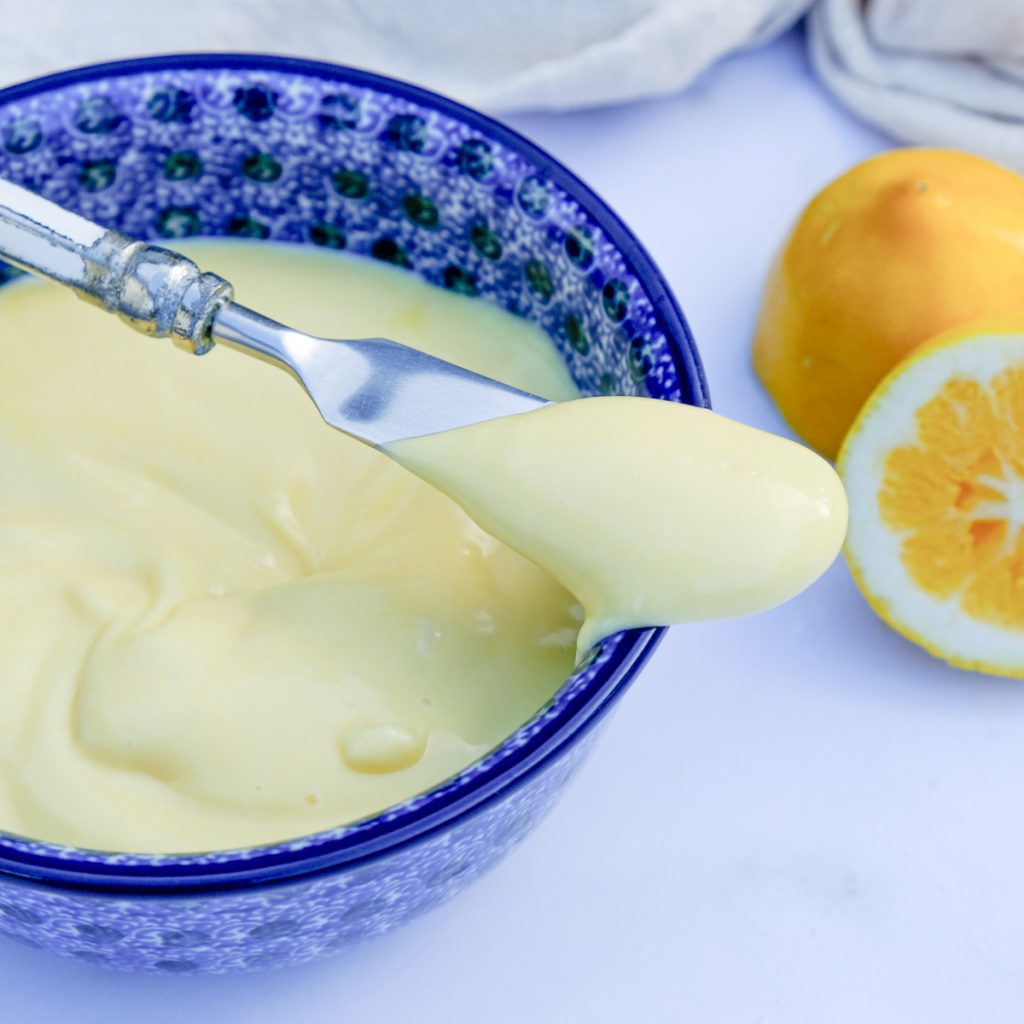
289 150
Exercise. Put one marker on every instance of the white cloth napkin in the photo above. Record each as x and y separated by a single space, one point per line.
940 72
495 54
935 72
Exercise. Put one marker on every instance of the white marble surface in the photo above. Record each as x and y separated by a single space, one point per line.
794 819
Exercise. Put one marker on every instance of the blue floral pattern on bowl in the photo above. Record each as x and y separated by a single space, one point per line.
289 150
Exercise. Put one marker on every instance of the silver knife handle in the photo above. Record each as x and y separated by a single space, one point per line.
158 292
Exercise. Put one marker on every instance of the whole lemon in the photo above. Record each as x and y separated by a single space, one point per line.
903 246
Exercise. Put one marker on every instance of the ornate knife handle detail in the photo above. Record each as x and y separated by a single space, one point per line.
156 291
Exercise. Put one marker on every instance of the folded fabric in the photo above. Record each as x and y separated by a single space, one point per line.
536 54
935 72
939 72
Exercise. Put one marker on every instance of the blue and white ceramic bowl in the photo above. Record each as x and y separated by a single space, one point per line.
290 150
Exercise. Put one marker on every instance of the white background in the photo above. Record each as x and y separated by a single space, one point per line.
792 819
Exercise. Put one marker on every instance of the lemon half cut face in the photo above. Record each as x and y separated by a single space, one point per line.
934 471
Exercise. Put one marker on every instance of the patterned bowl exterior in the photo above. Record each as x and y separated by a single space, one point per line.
272 148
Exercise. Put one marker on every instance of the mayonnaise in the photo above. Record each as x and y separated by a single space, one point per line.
226 623
649 512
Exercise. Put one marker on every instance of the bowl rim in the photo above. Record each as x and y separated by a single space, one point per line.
467 793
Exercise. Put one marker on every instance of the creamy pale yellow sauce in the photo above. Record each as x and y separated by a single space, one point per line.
649 512
222 622
226 623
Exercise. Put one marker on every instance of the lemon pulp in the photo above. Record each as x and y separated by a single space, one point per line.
934 467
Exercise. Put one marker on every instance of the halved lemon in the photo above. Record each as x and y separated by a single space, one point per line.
934 472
